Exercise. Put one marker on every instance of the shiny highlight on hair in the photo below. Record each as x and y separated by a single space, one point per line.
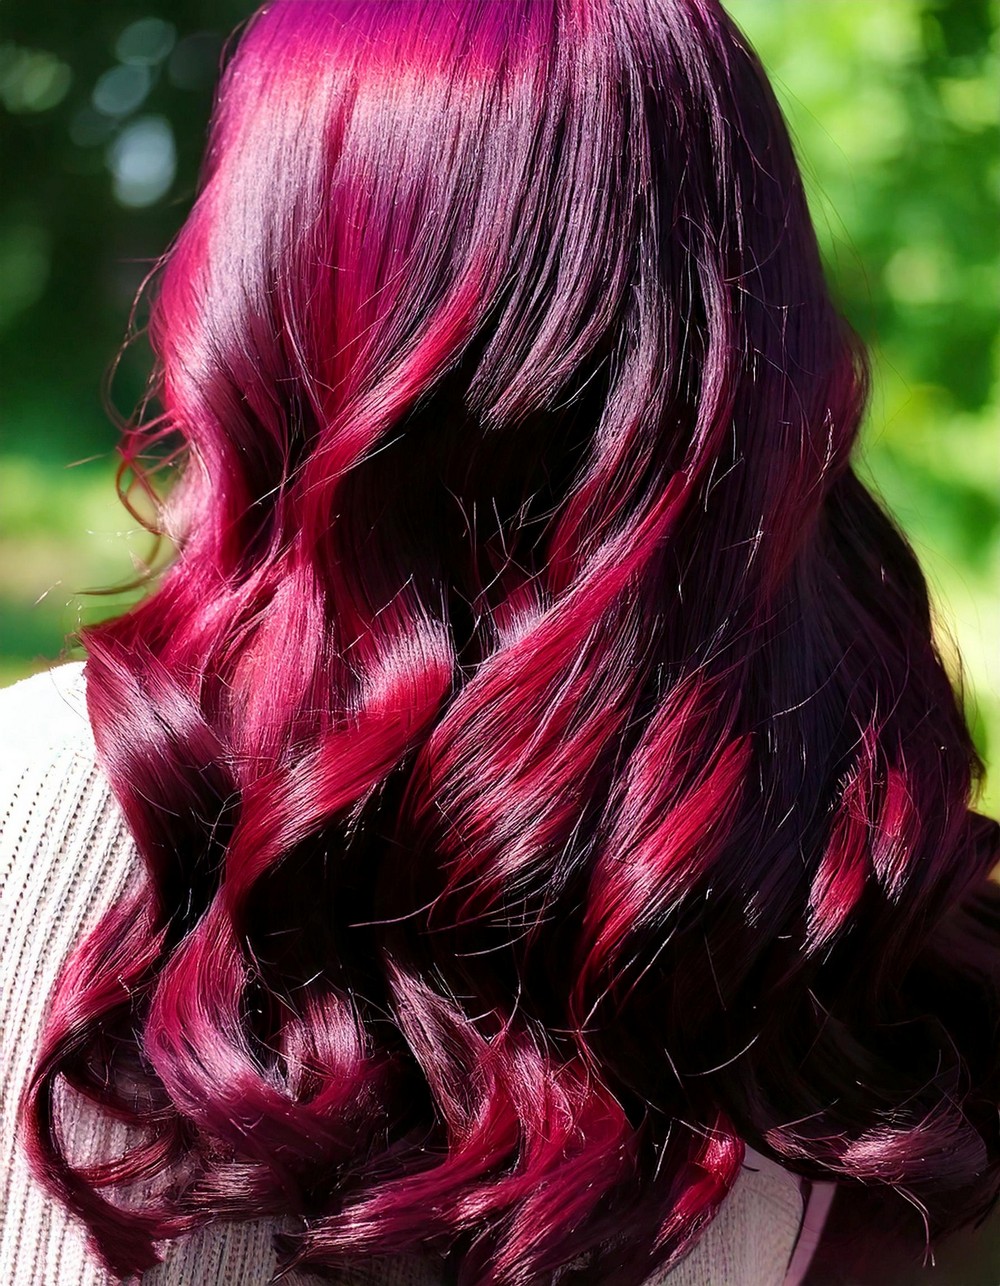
543 772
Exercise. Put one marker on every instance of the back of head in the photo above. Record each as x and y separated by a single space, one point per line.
544 770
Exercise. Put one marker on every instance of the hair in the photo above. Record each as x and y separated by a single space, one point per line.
544 775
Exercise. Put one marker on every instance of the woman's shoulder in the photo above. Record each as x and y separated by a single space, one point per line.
51 789
44 709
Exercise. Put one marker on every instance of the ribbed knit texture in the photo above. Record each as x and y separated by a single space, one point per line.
65 856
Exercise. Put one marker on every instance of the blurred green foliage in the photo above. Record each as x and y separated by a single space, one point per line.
893 106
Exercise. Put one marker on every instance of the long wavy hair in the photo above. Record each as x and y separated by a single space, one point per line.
544 775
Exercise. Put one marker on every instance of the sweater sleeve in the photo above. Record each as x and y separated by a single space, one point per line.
65 857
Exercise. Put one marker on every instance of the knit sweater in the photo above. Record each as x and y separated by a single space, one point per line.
65 857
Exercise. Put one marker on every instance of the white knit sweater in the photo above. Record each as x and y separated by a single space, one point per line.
65 856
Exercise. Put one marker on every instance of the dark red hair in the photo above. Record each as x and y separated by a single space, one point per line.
544 774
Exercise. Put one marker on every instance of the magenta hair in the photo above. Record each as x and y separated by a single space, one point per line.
543 774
